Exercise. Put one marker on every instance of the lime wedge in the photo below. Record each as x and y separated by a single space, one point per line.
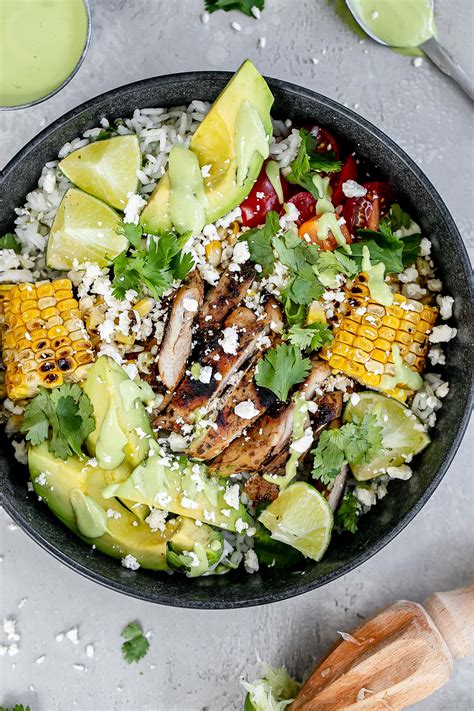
106 169
403 434
85 229
302 518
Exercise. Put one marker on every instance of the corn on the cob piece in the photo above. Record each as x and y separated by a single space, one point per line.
4 291
45 342
367 332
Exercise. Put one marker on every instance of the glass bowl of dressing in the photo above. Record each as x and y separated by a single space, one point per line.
42 45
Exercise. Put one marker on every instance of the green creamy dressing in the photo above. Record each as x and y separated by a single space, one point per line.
328 223
272 171
398 23
188 199
41 41
379 290
110 457
403 374
300 422
325 191
91 519
250 138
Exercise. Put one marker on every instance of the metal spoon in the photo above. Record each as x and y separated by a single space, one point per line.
434 51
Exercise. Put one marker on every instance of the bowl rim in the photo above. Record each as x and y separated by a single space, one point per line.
298 588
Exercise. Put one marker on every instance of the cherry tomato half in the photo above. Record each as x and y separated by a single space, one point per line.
310 229
347 172
261 200
305 204
365 212
325 141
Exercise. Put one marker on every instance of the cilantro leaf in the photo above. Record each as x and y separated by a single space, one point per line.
300 258
347 515
398 218
330 264
156 268
133 233
383 247
350 444
67 412
244 6
259 242
17 707
313 336
281 369
136 644
295 313
309 161
9 241
411 249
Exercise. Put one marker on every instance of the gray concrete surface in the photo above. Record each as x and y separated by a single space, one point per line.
196 658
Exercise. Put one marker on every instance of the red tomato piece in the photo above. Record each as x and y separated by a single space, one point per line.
347 172
325 141
365 212
305 204
383 191
261 200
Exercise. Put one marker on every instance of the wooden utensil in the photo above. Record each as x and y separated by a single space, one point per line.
401 656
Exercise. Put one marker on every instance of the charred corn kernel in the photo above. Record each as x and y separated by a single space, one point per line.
126 340
144 306
4 295
94 319
34 348
367 332
213 251
316 313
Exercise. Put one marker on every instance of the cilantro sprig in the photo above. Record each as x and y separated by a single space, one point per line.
347 515
312 337
65 415
244 6
308 161
350 444
156 267
9 241
259 242
136 644
281 369
394 252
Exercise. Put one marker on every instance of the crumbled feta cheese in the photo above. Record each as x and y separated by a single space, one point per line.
255 12
413 291
188 503
241 525
301 445
205 375
236 26
133 208
90 651
157 520
262 42
251 561
190 304
445 304
206 170
241 253
232 496
365 496
418 61
111 513
425 247
229 340
246 410
403 472
351 188
130 562
73 635
410 274
434 284
177 442
355 398
292 212
442 334
436 356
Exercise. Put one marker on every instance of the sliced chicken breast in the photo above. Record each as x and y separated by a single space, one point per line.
177 341
225 296
270 434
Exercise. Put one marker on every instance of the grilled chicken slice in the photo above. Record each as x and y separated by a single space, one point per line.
334 495
177 342
259 490
269 435
329 411
193 394
225 296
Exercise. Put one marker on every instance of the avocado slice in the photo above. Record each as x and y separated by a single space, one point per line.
123 430
182 487
195 549
229 143
72 490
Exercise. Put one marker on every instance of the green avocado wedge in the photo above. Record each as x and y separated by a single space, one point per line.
123 430
225 144
72 491
182 487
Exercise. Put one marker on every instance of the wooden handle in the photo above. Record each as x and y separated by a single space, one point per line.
453 614
390 662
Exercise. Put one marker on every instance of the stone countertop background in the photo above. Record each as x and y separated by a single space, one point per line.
196 658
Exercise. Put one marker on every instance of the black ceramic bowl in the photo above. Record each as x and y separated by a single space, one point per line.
405 499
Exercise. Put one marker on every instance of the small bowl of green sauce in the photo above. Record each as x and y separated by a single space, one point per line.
42 45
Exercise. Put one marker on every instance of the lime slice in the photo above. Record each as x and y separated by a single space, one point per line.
85 229
403 434
302 518
106 169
